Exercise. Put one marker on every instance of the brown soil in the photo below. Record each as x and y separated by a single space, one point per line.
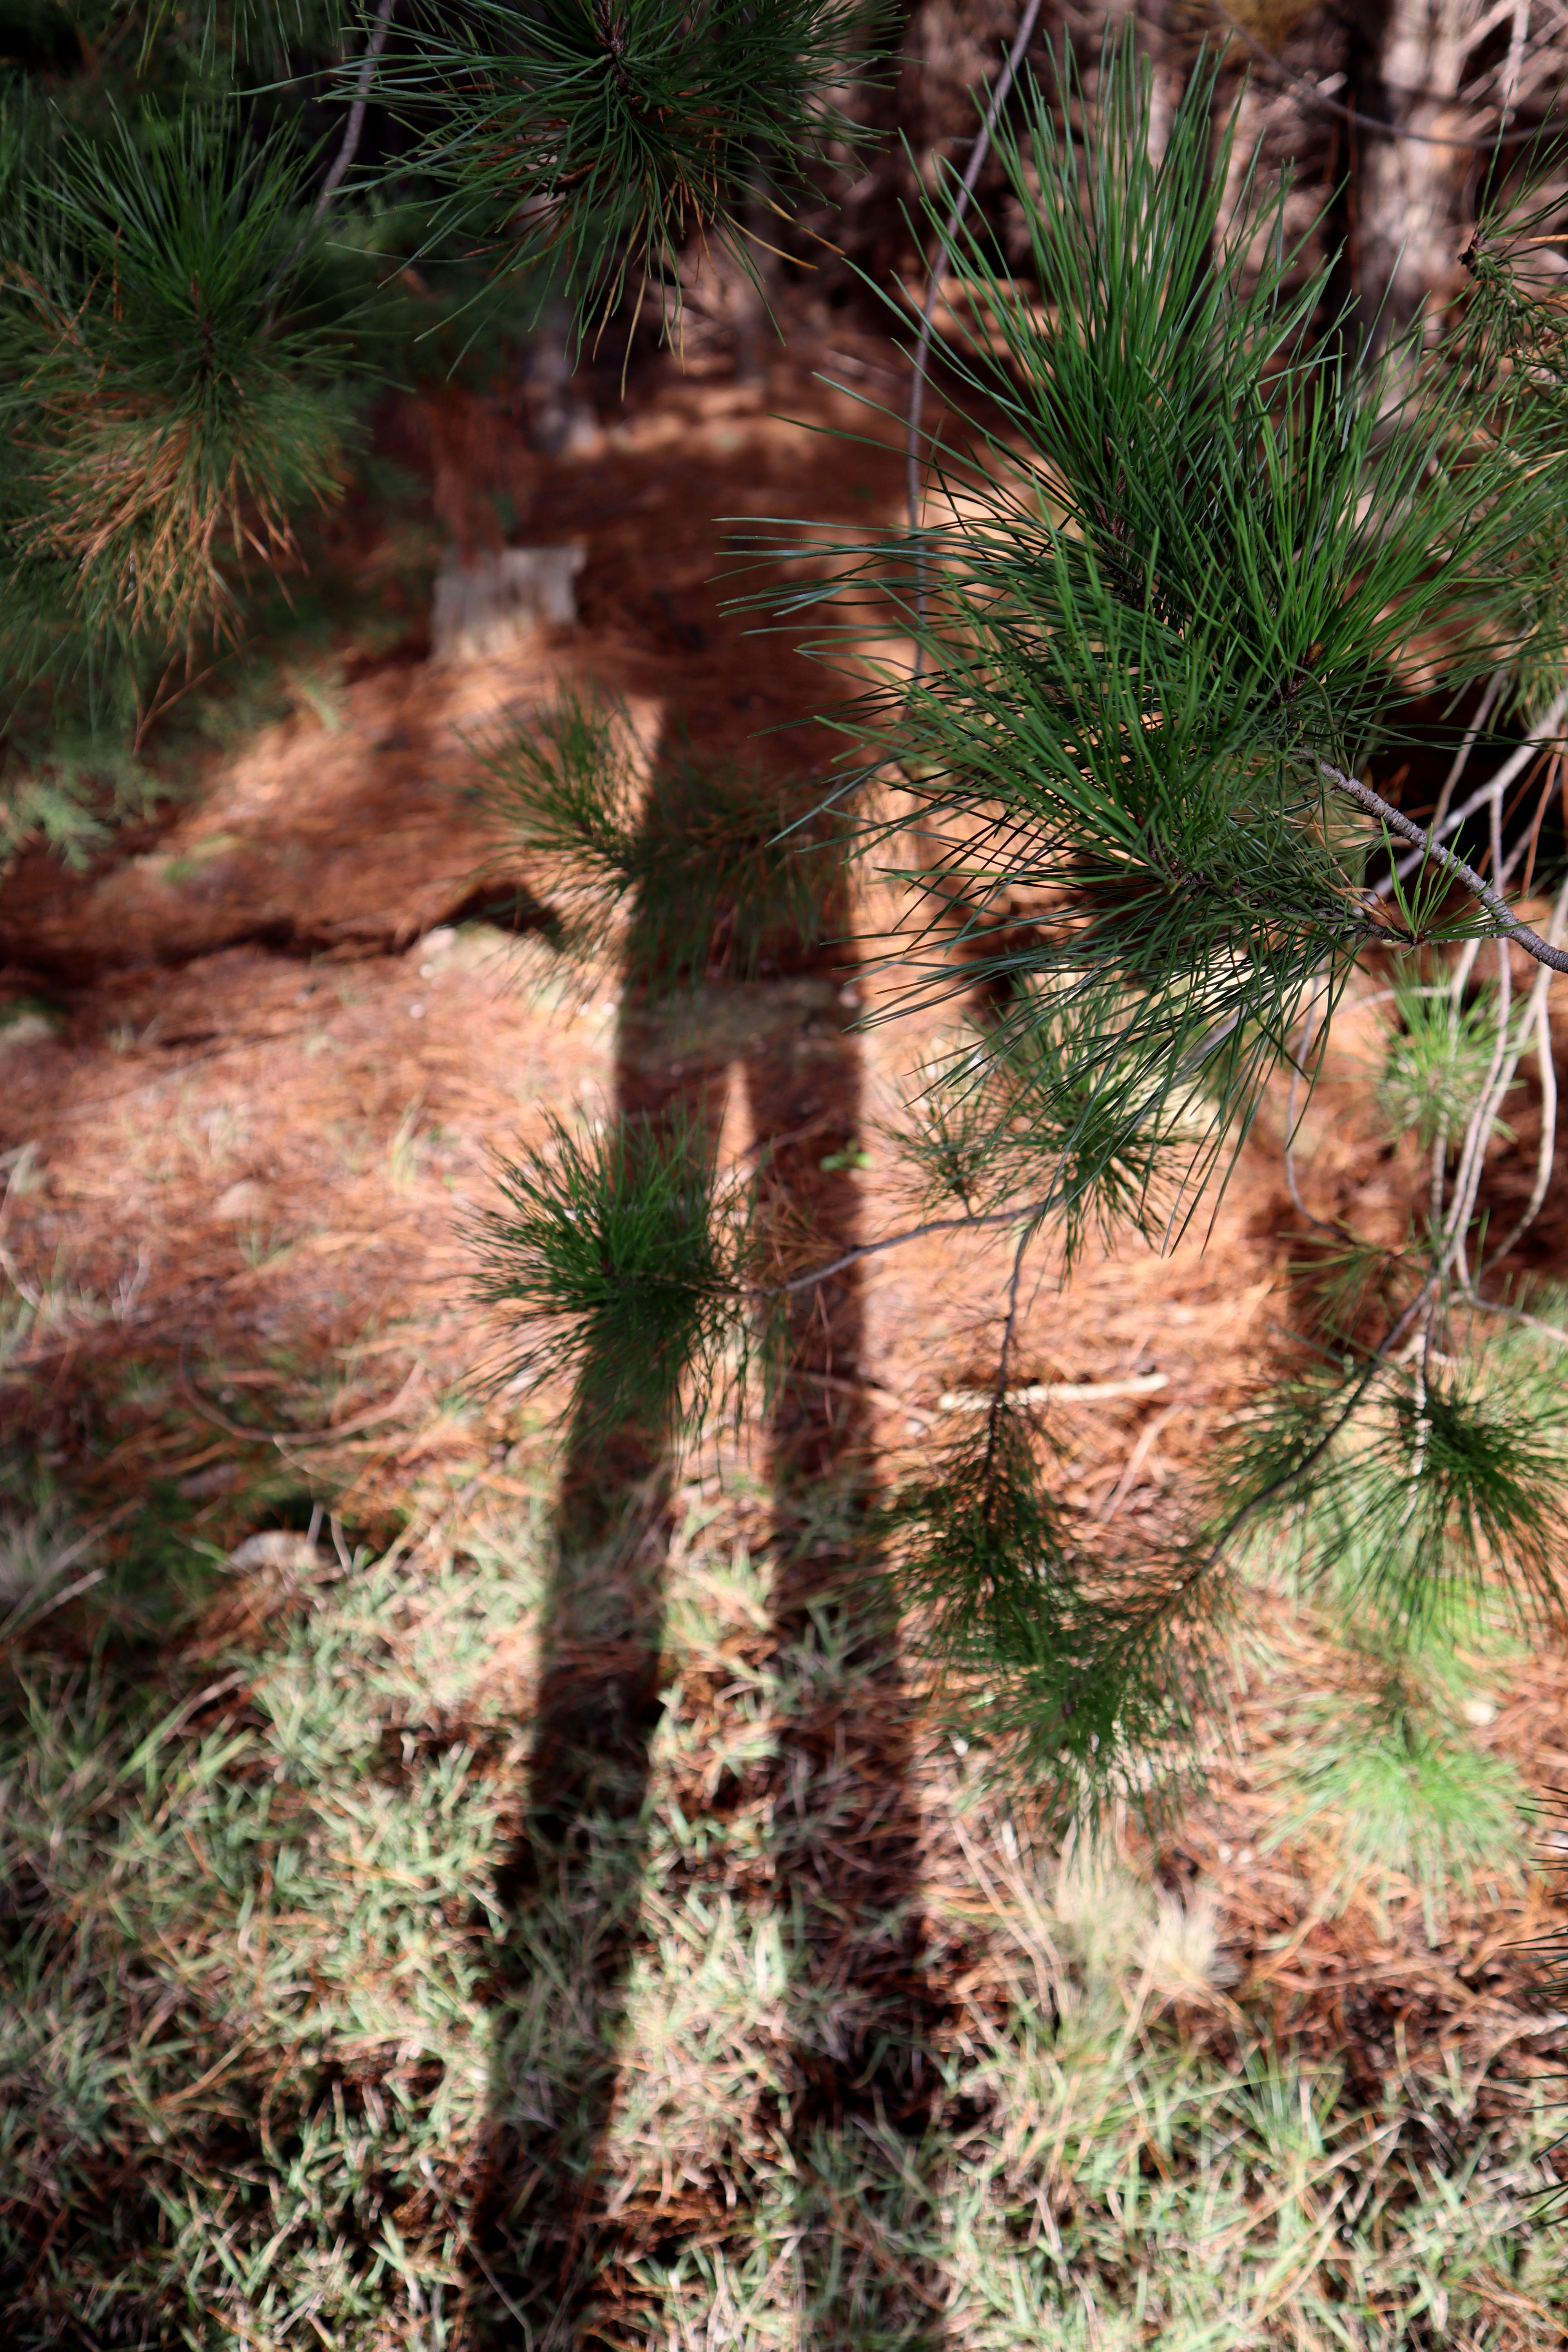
244 1162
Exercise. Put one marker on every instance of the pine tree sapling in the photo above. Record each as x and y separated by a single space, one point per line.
1188 565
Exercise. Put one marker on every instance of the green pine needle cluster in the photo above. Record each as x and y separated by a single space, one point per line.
1407 1794
1034 1108
1438 1060
619 1272
167 428
602 137
1188 565
1080 1667
699 871
1414 1487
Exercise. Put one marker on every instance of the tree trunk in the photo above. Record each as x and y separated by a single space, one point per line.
1406 188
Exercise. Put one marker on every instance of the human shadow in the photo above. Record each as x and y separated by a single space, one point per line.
553 2253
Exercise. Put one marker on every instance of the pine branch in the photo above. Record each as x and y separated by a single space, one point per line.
1023 1212
349 147
1397 821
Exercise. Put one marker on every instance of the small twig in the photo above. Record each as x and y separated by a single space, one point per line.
1538 1013
1422 1425
1136 1459
1500 1074
1397 821
1518 1315
981 148
1500 1077
1297 1072
1054 1392
349 148
1545 1149
1030 1212
1533 840
887 1397
1494 687
1005 1352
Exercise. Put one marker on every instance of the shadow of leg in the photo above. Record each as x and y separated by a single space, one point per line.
571 1887
863 2017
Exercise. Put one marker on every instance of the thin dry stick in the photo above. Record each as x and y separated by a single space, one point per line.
1538 1013
1468 1177
1029 1212
928 315
1494 687
1397 821
1517 39
1138 1455
1051 1392
1004 1353
1439 1173
1531 841
349 147
1458 980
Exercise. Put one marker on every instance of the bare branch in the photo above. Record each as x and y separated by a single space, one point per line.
1027 1213
1538 1013
1297 1070
349 147
1397 821
1004 1354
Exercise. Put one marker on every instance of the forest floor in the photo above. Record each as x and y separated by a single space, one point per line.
328 2012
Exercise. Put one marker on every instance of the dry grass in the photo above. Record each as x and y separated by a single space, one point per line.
275 1995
